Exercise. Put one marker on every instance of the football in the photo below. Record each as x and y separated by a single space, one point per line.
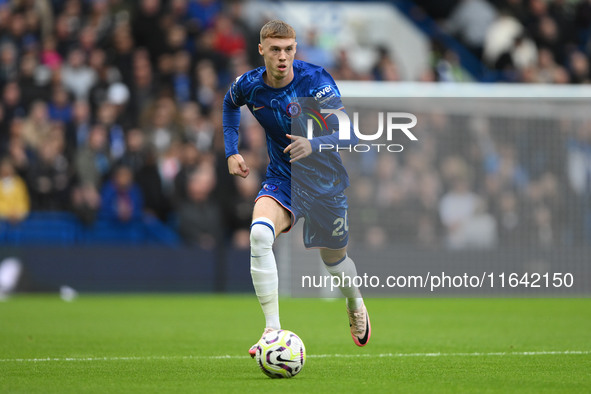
281 354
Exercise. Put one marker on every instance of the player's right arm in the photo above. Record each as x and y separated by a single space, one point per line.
231 122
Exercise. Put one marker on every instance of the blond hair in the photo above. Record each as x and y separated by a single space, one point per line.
277 29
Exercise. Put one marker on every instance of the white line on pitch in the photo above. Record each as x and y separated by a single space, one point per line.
362 355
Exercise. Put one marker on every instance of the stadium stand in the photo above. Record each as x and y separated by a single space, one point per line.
88 86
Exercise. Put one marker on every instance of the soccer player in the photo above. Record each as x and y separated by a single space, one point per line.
271 94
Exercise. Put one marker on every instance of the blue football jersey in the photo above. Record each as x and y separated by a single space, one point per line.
283 111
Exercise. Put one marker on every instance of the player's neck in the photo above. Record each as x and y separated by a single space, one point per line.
278 83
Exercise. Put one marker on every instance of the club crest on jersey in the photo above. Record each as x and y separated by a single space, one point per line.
270 188
293 109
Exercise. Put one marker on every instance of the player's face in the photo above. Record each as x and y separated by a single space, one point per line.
278 54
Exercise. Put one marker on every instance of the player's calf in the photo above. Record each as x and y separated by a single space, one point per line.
263 269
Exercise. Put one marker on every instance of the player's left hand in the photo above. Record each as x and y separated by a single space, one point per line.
299 148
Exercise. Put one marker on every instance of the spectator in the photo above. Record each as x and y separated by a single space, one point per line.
176 40
50 57
147 28
370 231
93 161
241 21
512 226
8 62
11 102
165 71
579 68
181 79
384 69
465 220
162 126
156 201
14 197
312 51
118 96
60 107
207 85
37 126
49 178
197 128
107 117
77 77
99 23
30 80
203 12
524 53
470 20
18 151
449 69
42 12
98 92
547 66
582 19
343 69
199 216
121 52
191 158
17 28
179 12
87 39
121 197
547 36
135 151
500 37
206 51
79 128
143 86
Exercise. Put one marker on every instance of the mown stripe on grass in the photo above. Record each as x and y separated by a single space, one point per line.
363 355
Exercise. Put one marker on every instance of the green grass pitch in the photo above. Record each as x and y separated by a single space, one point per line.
198 344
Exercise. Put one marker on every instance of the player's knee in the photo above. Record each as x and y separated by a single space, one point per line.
262 236
333 256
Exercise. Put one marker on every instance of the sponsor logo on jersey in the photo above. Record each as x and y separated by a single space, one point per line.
323 92
269 187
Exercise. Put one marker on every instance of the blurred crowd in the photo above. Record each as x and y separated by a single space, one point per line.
476 180
112 109
529 41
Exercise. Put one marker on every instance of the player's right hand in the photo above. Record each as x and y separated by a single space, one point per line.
237 166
